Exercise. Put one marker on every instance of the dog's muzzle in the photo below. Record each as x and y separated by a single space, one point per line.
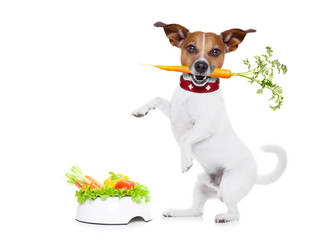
200 71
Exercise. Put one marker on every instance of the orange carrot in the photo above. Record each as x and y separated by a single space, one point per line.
77 178
218 72
84 185
95 185
221 73
91 180
184 69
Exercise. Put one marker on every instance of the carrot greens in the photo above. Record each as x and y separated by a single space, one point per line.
263 75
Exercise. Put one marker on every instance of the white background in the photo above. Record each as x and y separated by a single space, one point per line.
70 78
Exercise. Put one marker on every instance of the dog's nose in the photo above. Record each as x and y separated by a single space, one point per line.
201 66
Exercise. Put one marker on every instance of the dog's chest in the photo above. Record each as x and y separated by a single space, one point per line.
187 108
181 120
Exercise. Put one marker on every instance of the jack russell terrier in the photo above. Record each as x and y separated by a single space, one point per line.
202 128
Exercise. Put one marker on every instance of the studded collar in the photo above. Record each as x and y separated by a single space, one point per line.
187 84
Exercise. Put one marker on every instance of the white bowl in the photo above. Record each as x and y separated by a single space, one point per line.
112 211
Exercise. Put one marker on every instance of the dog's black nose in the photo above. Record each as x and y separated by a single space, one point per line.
201 66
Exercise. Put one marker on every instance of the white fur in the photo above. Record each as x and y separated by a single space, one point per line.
203 45
202 129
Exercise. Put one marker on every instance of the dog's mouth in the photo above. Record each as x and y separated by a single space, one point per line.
199 80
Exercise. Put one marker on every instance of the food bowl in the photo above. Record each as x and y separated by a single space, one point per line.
112 211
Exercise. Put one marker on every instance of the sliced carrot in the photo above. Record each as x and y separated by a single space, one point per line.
218 72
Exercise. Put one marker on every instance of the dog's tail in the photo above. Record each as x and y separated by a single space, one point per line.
279 169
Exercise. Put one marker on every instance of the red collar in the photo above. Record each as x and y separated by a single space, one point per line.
191 87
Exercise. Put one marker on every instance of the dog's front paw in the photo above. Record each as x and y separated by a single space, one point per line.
186 164
186 159
140 112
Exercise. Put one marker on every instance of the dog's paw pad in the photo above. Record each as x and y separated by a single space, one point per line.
167 213
140 112
225 218
221 220
139 115
185 168
186 163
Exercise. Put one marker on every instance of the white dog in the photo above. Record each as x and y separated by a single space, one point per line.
202 128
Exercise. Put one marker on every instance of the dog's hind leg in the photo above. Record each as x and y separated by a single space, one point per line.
235 185
201 194
158 102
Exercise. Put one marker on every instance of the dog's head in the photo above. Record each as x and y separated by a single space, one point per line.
202 52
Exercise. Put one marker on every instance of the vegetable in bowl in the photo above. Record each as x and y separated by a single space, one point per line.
138 193
117 185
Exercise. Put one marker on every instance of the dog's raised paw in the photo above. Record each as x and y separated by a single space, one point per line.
139 115
185 168
186 162
141 112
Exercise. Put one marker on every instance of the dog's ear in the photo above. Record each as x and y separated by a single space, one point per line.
175 33
233 37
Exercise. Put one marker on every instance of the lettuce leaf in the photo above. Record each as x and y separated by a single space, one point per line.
138 193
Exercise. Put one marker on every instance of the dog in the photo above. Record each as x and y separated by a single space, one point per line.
202 128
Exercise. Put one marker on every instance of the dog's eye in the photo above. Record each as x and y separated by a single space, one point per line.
215 52
191 49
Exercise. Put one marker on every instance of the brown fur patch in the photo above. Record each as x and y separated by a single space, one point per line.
233 37
212 41
180 36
